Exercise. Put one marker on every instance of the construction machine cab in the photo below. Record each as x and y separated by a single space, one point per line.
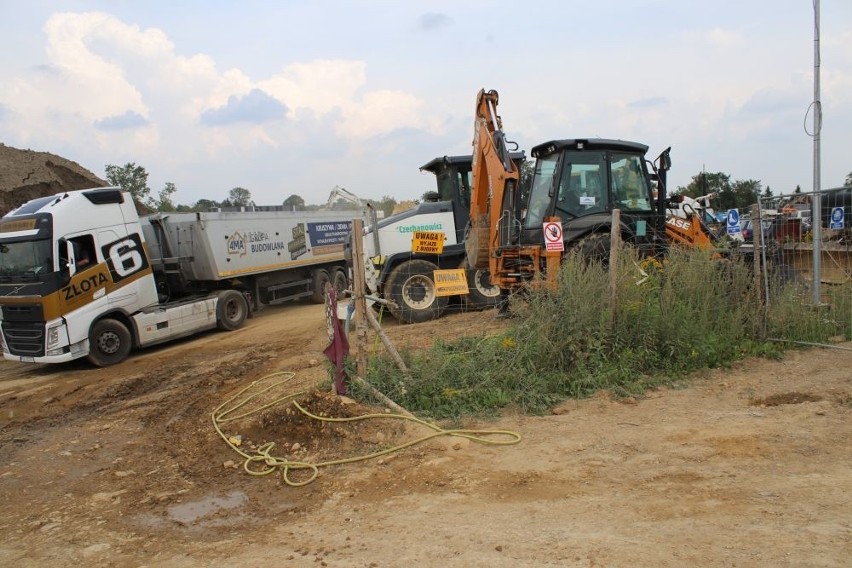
454 178
581 181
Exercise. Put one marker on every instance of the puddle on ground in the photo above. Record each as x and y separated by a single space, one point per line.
188 513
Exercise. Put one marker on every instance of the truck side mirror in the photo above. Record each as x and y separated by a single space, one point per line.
64 263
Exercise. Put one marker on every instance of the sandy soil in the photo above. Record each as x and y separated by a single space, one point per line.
122 467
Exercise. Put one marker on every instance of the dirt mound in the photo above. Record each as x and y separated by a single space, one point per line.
27 174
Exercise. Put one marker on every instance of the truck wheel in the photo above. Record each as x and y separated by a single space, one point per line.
481 293
412 287
109 342
231 310
320 279
340 282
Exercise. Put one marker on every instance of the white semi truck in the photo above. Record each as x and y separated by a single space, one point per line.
82 275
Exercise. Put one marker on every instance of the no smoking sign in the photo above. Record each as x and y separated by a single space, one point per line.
553 236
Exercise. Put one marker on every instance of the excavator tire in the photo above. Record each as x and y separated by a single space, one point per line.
594 248
481 293
411 286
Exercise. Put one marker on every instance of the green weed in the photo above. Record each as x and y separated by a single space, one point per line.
690 312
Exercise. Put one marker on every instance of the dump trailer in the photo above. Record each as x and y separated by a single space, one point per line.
82 275
406 278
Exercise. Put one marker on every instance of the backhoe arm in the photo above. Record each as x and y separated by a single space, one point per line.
494 184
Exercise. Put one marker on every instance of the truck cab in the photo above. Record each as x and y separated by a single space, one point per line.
66 260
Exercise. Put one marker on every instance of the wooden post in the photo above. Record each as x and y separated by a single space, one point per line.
358 287
614 246
377 327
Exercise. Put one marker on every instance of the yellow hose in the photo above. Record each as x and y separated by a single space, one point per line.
269 463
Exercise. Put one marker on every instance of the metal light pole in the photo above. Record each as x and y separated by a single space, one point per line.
816 202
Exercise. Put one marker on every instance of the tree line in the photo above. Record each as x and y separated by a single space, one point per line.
729 194
733 194
133 178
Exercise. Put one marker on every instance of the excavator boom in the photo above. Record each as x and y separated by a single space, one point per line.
494 186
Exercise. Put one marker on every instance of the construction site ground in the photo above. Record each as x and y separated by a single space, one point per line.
121 466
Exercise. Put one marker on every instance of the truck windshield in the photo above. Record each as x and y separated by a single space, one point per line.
25 258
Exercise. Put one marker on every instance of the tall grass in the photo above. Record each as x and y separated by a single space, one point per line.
692 311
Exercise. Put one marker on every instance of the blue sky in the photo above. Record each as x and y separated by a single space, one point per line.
295 97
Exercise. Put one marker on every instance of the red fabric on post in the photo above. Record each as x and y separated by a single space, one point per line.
338 349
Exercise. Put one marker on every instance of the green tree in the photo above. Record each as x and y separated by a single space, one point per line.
239 197
798 189
746 192
131 178
767 192
295 202
716 182
386 205
165 200
206 205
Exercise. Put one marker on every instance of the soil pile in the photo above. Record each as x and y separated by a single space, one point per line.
27 174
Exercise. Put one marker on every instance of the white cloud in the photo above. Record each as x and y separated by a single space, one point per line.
94 87
723 39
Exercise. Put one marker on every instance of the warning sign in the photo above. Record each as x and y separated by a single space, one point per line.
431 242
450 282
553 236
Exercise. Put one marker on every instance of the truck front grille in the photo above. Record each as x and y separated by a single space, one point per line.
24 339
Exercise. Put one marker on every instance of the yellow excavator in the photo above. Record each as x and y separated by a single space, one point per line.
576 185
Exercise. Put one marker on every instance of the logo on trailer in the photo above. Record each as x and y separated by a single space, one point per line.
237 244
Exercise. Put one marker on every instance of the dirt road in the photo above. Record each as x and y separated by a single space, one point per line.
122 467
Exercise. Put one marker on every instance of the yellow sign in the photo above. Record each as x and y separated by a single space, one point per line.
450 282
17 225
428 241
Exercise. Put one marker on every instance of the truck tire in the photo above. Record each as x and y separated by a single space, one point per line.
340 282
481 293
109 342
320 279
231 310
411 285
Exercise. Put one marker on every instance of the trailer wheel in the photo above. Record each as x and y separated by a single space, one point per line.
320 279
109 342
340 282
481 293
231 310
412 287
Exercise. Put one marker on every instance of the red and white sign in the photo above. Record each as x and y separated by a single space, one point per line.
553 236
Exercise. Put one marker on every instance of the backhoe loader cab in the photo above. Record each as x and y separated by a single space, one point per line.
581 181
453 175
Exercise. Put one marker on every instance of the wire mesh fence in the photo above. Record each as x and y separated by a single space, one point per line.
804 247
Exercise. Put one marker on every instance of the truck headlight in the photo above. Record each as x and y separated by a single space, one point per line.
53 335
